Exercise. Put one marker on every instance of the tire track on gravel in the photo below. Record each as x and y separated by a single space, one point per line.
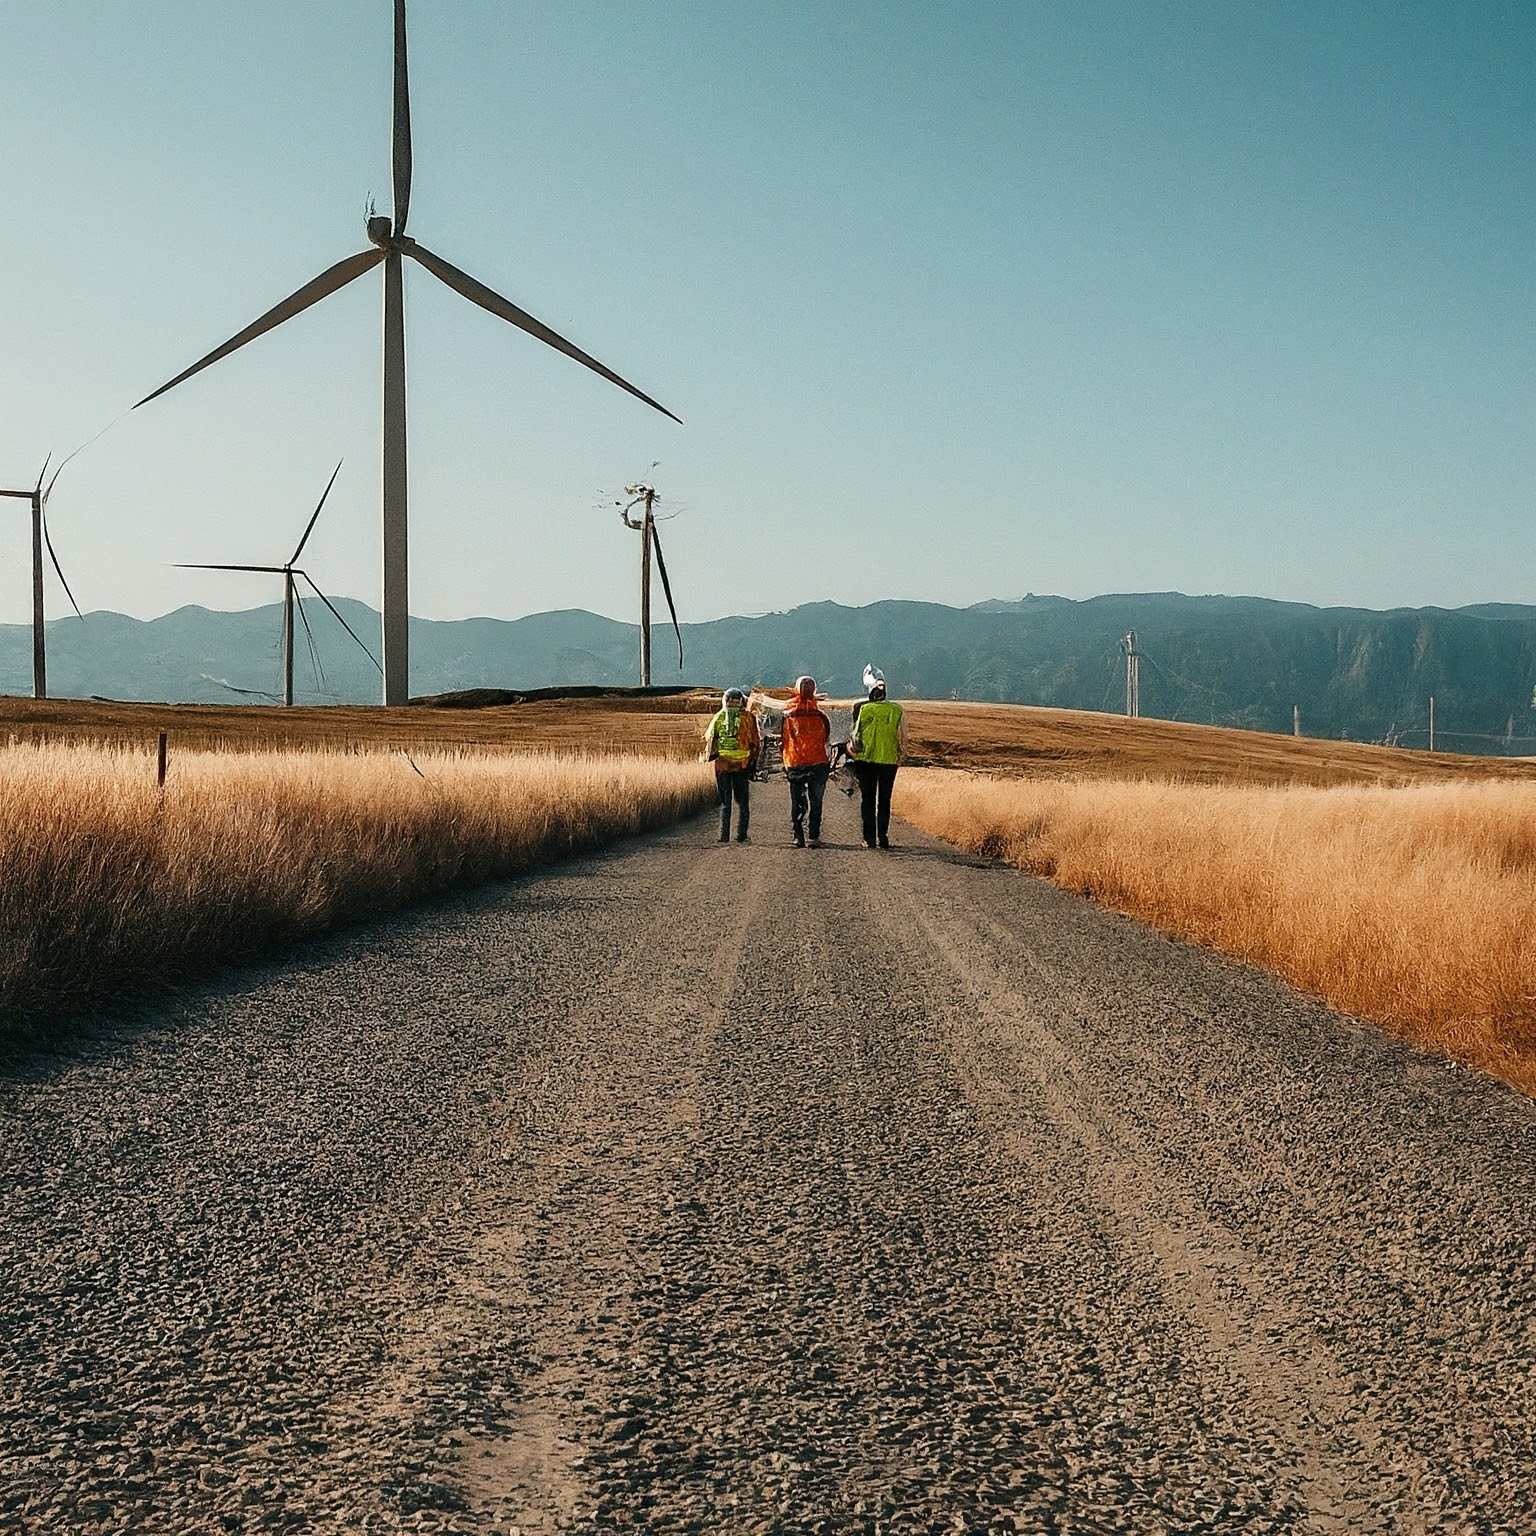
1362 1214
558 1245
873 1316
1351 1476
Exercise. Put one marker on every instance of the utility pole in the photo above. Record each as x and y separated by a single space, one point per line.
1132 675
645 524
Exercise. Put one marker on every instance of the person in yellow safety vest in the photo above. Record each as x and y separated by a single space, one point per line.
731 743
806 762
879 738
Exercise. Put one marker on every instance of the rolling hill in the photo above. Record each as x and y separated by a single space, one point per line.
1241 661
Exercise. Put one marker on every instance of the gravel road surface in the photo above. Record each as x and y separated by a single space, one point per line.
689 1188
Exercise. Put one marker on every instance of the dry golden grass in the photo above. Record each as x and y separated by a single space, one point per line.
110 884
1065 743
1002 738
1413 906
663 725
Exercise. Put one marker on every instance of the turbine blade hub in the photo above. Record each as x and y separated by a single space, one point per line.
381 231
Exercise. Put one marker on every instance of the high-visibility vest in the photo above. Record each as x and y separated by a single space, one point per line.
806 733
877 732
733 734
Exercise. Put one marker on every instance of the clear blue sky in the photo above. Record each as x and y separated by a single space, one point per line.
956 301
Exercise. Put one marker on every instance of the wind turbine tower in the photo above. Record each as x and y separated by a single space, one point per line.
1132 675
390 245
38 496
645 524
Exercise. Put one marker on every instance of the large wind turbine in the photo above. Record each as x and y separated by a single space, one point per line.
38 496
290 594
390 244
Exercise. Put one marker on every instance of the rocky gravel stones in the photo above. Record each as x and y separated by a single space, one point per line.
919 1198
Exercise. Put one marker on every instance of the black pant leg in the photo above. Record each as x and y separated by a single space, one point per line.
887 779
865 773
741 783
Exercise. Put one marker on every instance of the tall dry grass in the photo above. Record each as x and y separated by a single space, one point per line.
108 884
1411 906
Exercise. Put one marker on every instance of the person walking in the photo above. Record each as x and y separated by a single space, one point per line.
876 746
731 743
807 732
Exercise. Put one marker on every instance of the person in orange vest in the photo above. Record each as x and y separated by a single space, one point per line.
807 732
878 741
731 743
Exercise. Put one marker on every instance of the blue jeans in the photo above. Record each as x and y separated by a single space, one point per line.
728 785
807 786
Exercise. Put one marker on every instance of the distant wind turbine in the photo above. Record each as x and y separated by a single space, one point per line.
38 496
391 243
290 595
649 539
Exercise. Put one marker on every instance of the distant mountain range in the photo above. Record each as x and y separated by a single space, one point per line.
1241 661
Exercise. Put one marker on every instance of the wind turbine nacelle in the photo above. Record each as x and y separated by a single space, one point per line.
380 229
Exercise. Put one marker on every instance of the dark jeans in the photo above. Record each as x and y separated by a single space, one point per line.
807 785
726 785
875 781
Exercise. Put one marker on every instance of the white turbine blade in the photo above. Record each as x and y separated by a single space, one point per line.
267 570
311 293
666 586
400 158
326 492
477 293
329 604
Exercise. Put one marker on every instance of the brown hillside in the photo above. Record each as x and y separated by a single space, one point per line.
992 738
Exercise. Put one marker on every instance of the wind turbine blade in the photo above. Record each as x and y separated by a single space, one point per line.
268 570
309 641
59 569
477 293
296 303
666 586
400 159
326 492
43 471
329 604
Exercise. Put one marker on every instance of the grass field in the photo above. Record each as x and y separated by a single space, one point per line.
1073 744
656 724
1412 905
111 884
995 738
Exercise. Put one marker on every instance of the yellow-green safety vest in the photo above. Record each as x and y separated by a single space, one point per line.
877 732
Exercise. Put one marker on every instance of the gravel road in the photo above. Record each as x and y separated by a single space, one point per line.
690 1188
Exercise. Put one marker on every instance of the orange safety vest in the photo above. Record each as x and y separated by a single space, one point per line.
806 733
